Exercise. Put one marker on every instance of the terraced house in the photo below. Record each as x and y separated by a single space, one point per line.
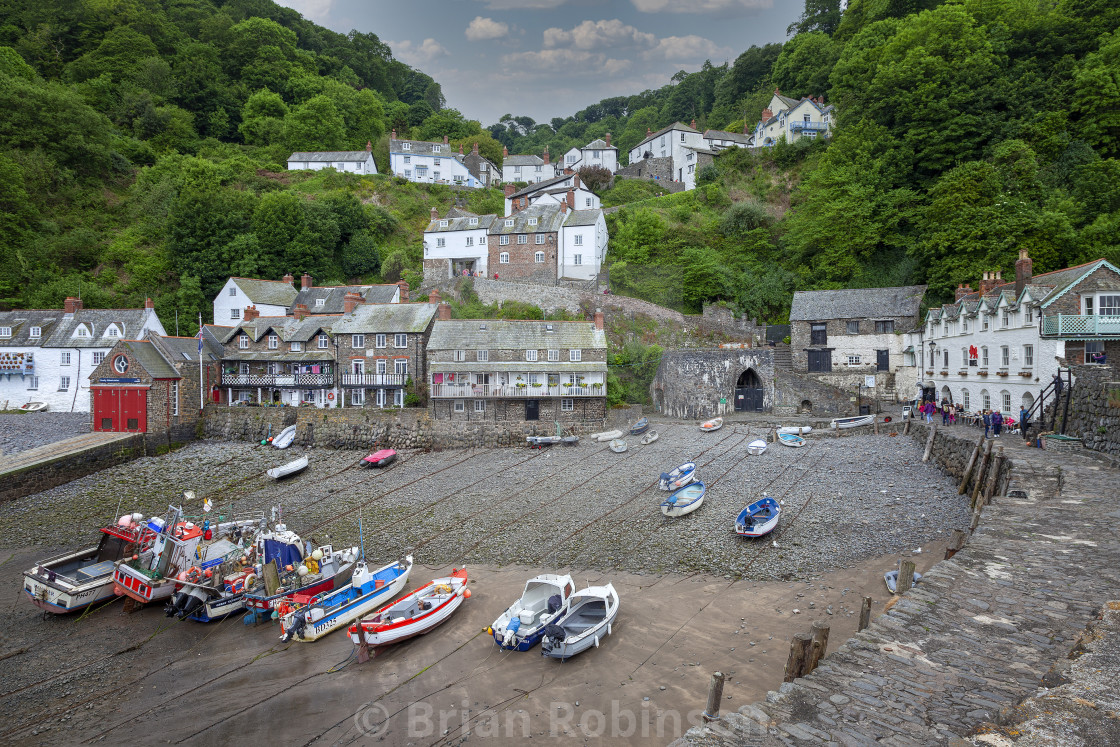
381 351
427 162
499 370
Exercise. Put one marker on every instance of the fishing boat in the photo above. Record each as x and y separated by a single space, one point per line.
311 618
414 614
542 441
605 436
640 427
797 430
890 578
756 447
521 626
686 500
75 580
649 438
380 458
287 569
789 439
284 439
570 440
712 425
679 477
34 407
177 547
586 620
618 446
759 518
853 422
289 469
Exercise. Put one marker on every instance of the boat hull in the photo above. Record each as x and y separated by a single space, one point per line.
756 448
351 610
649 438
60 600
573 645
138 587
711 425
618 446
799 430
383 634
524 637
678 478
788 439
673 509
639 428
606 436
856 422
757 528
890 578
382 458
289 469
285 437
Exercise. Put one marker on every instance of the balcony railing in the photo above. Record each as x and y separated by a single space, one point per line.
815 126
1070 325
476 391
289 381
375 380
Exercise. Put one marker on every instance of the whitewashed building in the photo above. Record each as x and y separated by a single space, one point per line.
426 162
350 161
598 152
270 297
718 140
526 168
47 356
552 192
456 244
583 245
792 119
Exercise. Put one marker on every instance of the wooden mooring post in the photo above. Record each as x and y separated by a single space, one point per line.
715 695
971 463
864 614
799 649
956 542
906 427
876 424
993 481
819 635
981 473
929 441
976 509
905 577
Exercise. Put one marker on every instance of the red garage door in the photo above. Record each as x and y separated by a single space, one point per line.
120 409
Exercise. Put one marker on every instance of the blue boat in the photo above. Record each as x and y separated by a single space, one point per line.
640 427
686 500
542 603
367 590
790 439
759 518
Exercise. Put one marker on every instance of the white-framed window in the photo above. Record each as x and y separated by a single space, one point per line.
965 399
522 238
482 356
504 240
482 241
472 221
112 332
460 355
408 159
97 358
579 239
964 357
853 360
1005 401
587 202
530 355
577 259
480 405
379 341
575 355
174 397
357 397
1005 319
400 366
398 398
540 238
320 302
532 221
1028 356
538 257
460 405
984 357
233 290
1004 356
243 369
509 222
324 341
357 341
984 323
406 146
408 173
32 383
503 258
470 241
436 161
554 355
946 357
985 400
435 174
400 340
567 404
1094 351
64 359
437 149
235 313
441 243
381 366
36 332
297 347
64 384
273 342
379 398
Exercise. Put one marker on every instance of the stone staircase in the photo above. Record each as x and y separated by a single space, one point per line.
783 358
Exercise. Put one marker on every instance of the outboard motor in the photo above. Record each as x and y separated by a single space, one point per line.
175 606
510 637
195 599
554 604
554 635
299 623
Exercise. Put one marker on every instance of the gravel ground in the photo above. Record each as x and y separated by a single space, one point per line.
32 429
845 499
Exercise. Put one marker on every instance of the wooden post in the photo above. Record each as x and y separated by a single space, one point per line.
818 646
906 428
864 614
799 649
905 576
715 695
975 516
956 542
774 436
997 465
981 473
929 441
876 424
971 464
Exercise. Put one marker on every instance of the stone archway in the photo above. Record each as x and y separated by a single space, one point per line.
749 393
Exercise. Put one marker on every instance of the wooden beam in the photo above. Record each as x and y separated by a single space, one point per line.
715 695
864 614
799 649
971 463
956 542
818 646
905 577
929 441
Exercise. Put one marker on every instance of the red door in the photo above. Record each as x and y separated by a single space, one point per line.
120 409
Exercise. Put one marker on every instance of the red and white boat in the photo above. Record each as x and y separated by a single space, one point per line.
382 458
414 614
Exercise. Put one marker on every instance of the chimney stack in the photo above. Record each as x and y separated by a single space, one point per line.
474 149
300 311
608 140
598 318
403 285
445 139
435 214
71 304
434 296
251 313
962 291
393 135
148 304
989 282
443 313
575 181
546 155
694 124
288 278
648 132
350 302
305 282
1024 269
510 189
369 146
570 198
505 152
460 149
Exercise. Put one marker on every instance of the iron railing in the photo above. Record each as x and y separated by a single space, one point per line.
815 126
375 380
483 391
288 381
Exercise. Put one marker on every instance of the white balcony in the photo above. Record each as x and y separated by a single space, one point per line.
528 391
1079 325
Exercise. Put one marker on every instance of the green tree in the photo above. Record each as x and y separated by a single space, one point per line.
315 125
803 67
1096 93
262 118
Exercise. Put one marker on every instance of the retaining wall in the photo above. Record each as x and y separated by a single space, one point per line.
41 476
1094 409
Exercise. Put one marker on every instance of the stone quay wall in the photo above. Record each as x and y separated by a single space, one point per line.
1094 408
41 476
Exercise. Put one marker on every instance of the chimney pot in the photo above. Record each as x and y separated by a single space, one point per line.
300 311
288 278
435 214
251 313
648 132
505 152
694 124
443 312
546 154
575 181
350 302
393 135
570 198
460 149
474 149
369 146
305 282
403 285
434 296
510 189
148 304
598 318
1024 271
71 304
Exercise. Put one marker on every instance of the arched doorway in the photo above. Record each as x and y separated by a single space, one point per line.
748 392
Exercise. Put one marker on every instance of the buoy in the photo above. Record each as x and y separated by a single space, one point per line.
270 439
288 568
209 573
466 594
125 520
489 631
302 570
317 555
263 442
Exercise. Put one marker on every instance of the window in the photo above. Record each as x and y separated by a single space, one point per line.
482 241
1006 319
243 369
1108 305
503 258
575 355
381 367
64 359
233 290
480 405
435 174
530 355
682 137
985 400
1028 316
984 322
406 146
1094 351
587 201
577 259
273 342
567 404
532 221
964 399
235 313
964 357
380 398
579 239
97 358
853 360
408 173
1005 401
984 356
297 347
324 341
174 397
379 341
470 241
1028 356
440 243
400 340
36 332
853 327
884 328
357 397
400 366
818 334
964 324
522 238
482 355
320 302
460 406
460 355
473 221
540 238
437 149
538 257
357 341
398 398
946 357
32 383
408 159
64 384
436 162
554 355
509 222
504 240
1004 356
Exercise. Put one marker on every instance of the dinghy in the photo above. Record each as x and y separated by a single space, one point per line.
34 407
712 425
640 427
381 458
759 518
788 439
686 500
284 439
649 438
756 447
317 616
542 603
797 430
618 446
891 580
414 614
586 621
286 571
542 441
289 469
605 436
853 422
678 478
570 440
75 580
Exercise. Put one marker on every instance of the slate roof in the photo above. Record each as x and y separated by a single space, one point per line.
388 318
503 334
583 217
22 320
1044 289
522 161
735 137
271 292
598 144
700 149
330 155
333 296
150 359
860 303
662 131
129 322
288 328
460 222
542 185
423 148
548 218
182 349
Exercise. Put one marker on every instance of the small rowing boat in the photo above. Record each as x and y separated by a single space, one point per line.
756 447
586 620
686 500
890 578
284 439
640 427
649 438
853 422
788 439
618 446
289 469
679 477
797 430
381 458
570 440
605 436
712 425
414 614
34 406
759 518
542 441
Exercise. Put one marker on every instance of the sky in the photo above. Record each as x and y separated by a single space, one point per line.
551 58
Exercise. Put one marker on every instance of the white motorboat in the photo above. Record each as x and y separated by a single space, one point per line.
789 439
414 614
587 619
286 470
679 477
522 625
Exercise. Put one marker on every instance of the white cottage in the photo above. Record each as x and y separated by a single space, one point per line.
270 297
426 162
792 119
350 161
598 152
456 244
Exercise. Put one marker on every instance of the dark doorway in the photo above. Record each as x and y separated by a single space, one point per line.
532 409
748 392
882 360
820 361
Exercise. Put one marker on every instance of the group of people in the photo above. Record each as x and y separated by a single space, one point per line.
993 420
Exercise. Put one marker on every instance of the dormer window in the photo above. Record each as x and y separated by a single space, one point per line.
509 223
5 331
437 148
112 332
406 146
473 221
532 221
36 332
273 342
319 302
243 342
81 331
443 224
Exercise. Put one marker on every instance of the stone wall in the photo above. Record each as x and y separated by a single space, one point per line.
45 475
658 170
1094 408
716 318
799 393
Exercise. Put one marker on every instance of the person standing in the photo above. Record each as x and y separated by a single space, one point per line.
945 413
997 423
987 416
1024 414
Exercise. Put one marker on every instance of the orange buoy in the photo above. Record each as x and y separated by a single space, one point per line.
467 594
